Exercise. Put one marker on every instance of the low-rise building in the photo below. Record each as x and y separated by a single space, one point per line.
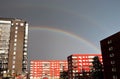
47 69
79 63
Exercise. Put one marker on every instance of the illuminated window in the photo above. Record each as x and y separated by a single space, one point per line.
14 53
15 40
13 66
16 31
90 56
15 44
84 60
16 23
21 24
26 24
84 64
74 57
12 24
26 41
25 53
26 37
25 45
25 49
90 60
15 36
16 28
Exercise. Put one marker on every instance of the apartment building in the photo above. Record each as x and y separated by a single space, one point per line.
110 48
78 63
47 69
13 45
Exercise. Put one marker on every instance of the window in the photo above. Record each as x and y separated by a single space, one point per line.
112 55
110 48
21 24
16 23
15 40
109 41
84 60
112 62
14 53
25 49
74 57
26 24
46 65
26 37
15 44
16 28
84 63
25 45
25 53
15 36
114 77
26 41
13 62
74 61
14 57
90 56
16 31
12 24
13 66
113 69
15 48
13 71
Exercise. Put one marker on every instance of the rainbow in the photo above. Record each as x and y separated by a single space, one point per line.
69 34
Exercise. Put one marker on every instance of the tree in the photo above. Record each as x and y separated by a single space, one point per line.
97 68
84 73
64 75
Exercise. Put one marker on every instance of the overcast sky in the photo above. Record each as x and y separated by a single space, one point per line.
59 28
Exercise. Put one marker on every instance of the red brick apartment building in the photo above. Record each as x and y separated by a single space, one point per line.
47 69
110 48
79 62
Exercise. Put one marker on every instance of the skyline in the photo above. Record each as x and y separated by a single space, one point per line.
59 28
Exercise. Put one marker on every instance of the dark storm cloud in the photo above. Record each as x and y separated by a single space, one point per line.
89 19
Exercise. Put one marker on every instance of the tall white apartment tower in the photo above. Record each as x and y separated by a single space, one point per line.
13 45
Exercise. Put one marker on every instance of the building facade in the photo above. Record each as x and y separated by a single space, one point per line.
77 63
13 45
110 48
47 69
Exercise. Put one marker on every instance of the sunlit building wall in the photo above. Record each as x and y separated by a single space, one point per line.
13 45
47 69
80 62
